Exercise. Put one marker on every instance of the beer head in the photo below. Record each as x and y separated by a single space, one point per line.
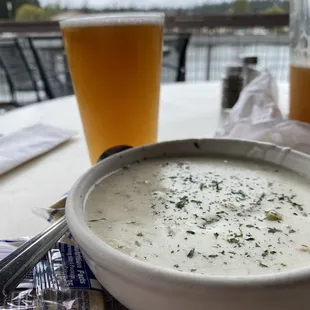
114 19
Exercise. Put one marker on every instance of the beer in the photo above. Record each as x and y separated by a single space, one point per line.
300 93
115 65
299 60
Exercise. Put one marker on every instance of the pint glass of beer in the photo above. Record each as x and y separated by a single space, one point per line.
115 65
300 60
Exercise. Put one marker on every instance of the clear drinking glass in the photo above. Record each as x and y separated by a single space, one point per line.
300 60
115 64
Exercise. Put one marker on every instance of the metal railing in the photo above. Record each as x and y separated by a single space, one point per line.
207 55
216 41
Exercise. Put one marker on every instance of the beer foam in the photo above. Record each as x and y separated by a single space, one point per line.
114 19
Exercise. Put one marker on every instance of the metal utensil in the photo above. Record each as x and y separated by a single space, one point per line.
19 263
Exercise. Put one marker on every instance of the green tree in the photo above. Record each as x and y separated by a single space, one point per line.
18 3
240 6
274 10
28 12
52 10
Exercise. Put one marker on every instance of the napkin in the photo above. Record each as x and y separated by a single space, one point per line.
28 143
256 116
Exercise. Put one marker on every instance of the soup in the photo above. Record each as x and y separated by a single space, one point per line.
212 216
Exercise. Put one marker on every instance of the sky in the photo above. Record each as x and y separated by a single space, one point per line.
126 3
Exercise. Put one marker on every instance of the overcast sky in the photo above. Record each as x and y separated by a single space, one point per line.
126 3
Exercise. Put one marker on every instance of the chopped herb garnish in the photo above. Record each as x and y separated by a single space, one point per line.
216 185
234 241
131 222
216 235
240 192
211 220
202 186
140 234
198 202
273 252
183 201
260 199
190 232
265 253
262 265
292 231
213 256
176 266
137 243
97 220
191 253
273 230
193 270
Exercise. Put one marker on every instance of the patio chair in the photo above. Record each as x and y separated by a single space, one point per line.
174 58
52 64
21 83
6 102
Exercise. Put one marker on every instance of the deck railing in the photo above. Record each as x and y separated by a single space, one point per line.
216 40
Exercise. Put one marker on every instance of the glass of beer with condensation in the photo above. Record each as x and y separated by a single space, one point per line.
300 60
115 65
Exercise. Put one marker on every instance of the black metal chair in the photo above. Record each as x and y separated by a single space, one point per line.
174 57
23 85
6 102
50 57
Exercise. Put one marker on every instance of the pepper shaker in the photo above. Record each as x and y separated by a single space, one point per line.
232 85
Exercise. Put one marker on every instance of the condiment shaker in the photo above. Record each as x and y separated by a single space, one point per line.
232 85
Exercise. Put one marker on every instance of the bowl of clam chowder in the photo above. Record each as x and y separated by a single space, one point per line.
198 224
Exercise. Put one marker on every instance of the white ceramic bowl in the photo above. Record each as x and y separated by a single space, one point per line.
142 286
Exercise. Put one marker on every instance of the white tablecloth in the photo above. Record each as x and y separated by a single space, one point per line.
187 110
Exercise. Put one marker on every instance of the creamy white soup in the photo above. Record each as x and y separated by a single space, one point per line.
205 216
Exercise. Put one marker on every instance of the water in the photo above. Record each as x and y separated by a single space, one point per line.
275 58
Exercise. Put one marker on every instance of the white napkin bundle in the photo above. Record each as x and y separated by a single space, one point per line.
256 116
28 143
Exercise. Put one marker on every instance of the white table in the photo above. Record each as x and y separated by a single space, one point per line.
187 110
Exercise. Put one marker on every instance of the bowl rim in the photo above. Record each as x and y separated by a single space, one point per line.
96 248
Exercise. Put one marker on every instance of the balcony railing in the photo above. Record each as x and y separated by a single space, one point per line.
215 41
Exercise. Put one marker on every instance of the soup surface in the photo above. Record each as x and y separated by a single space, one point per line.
205 215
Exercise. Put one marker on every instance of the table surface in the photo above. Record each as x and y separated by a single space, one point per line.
186 111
